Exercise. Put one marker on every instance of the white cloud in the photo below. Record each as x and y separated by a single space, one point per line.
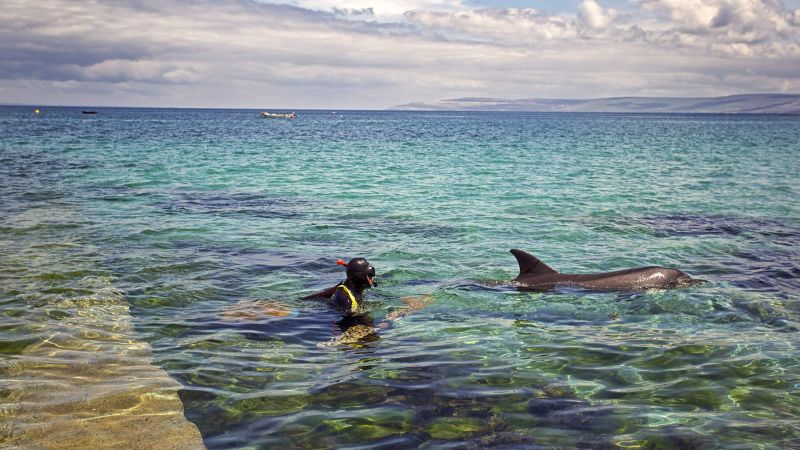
381 9
692 14
338 54
748 28
593 15
765 17
504 25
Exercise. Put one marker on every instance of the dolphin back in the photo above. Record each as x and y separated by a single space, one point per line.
531 266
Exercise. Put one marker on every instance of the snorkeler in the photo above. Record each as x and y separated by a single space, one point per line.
356 323
349 294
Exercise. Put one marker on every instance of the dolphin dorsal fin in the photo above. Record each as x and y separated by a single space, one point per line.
531 265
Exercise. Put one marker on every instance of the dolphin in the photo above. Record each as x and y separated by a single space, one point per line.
538 276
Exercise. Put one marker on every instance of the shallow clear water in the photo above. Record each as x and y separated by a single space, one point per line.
192 215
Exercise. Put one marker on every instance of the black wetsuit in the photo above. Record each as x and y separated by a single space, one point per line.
347 298
349 294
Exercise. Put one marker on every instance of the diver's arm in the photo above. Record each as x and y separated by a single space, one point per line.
327 293
411 304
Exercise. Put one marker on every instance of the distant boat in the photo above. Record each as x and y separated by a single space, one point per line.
269 115
88 112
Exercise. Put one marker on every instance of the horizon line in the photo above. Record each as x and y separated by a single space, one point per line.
391 108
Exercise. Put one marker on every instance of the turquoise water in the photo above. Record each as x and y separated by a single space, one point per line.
193 215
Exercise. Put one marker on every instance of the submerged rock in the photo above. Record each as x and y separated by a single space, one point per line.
357 334
504 439
559 407
454 427
255 310
91 385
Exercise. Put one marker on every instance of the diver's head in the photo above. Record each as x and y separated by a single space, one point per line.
360 272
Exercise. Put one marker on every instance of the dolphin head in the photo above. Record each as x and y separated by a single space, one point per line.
682 279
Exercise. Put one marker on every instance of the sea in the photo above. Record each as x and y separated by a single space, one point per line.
182 241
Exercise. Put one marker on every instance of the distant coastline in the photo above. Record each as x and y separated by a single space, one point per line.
732 104
788 104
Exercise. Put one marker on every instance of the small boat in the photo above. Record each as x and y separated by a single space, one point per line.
88 112
269 115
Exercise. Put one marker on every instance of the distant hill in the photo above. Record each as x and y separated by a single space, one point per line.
732 104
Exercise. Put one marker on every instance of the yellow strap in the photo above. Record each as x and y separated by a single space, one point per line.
353 302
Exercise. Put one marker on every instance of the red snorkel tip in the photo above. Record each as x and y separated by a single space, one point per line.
341 263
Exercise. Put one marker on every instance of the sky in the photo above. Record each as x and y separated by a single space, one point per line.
374 54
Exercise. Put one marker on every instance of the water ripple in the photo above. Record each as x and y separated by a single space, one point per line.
208 226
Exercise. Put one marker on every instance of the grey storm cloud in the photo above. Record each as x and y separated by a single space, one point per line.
347 54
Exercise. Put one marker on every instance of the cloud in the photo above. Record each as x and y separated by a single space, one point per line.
355 12
749 28
380 9
119 70
501 25
733 27
593 15
373 54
